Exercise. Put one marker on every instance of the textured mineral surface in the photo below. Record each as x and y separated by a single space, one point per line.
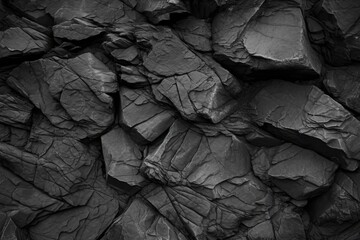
179 120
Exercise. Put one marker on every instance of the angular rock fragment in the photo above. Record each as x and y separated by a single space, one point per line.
23 201
288 224
141 221
73 93
160 10
343 84
188 157
15 110
341 25
145 118
76 29
306 116
195 32
338 208
64 169
268 38
196 85
122 160
132 77
17 43
299 172
126 56
15 136
9 230
217 216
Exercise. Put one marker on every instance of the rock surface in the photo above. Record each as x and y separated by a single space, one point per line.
268 37
179 120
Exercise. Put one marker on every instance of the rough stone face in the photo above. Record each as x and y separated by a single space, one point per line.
179 120
340 24
76 30
15 110
46 12
343 84
122 160
141 221
188 157
142 115
9 230
196 85
299 172
307 116
268 37
17 43
195 32
339 207
73 93
160 10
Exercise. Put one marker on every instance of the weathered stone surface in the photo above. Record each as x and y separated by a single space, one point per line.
268 37
287 224
73 93
299 172
338 208
123 119
343 84
308 117
15 110
17 43
196 85
341 27
9 230
79 184
76 29
216 214
160 10
122 159
141 221
46 11
195 32
23 201
188 157
145 119
14 136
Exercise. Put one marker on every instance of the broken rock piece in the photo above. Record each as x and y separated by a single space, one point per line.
299 172
142 115
308 117
71 93
17 43
122 159
141 221
343 84
188 157
195 85
268 37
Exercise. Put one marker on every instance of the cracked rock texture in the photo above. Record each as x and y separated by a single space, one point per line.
179 120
